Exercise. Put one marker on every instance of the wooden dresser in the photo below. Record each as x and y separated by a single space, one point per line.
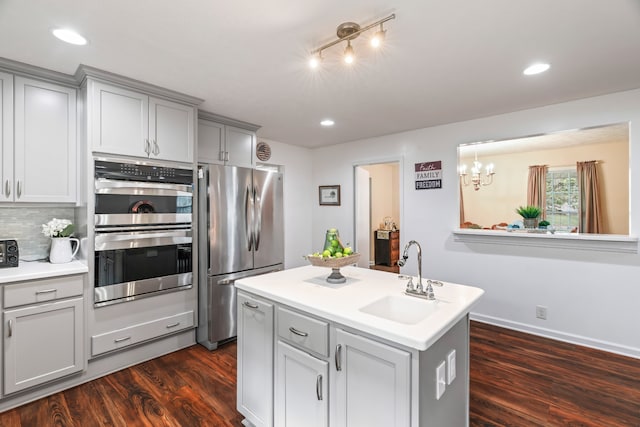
387 247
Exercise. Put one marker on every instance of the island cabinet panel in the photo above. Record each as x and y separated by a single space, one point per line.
301 389
255 360
373 383
42 343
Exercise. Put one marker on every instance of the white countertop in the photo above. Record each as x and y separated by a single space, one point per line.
306 289
30 270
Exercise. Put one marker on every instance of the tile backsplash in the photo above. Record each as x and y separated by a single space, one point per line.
25 225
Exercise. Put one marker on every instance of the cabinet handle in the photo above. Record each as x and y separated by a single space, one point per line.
248 304
117 340
156 148
319 387
226 156
7 188
221 156
173 325
147 146
338 357
19 190
46 291
10 327
297 332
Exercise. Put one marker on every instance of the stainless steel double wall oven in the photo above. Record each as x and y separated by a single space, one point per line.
143 235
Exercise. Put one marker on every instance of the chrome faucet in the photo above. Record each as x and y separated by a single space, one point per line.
416 290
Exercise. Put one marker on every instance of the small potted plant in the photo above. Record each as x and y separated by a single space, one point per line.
544 224
530 215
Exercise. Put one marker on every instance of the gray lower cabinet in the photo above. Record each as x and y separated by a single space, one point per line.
255 360
43 331
301 389
374 379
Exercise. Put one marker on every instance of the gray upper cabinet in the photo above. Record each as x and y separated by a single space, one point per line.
225 141
39 161
131 123
6 136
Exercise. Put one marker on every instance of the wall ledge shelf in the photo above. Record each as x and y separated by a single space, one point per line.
589 242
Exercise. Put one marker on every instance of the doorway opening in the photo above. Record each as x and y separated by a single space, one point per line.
378 213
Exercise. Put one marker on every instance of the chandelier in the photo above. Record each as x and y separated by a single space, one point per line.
477 179
346 32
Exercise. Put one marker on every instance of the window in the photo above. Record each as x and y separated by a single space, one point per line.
563 198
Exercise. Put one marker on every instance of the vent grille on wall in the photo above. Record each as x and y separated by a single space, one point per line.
263 151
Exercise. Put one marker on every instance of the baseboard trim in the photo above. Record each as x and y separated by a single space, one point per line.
560 336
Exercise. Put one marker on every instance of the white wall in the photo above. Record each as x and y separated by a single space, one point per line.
298 198
592 297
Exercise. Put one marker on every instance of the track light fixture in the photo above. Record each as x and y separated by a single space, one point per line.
348 31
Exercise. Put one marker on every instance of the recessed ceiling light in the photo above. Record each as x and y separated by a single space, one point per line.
327 122
536 69
69 36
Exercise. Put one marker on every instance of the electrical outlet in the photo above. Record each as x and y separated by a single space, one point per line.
541 312
441 380
451 367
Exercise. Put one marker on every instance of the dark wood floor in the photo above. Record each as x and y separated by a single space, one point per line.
522 380
516 380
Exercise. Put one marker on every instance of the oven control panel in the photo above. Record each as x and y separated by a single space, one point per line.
142 172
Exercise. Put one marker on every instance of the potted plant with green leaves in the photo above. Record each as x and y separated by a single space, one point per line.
530 215
544 224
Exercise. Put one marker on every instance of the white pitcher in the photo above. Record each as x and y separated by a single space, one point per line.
61 249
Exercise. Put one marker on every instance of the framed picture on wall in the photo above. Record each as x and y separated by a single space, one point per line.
329 195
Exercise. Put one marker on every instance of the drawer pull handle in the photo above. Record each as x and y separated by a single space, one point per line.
319 387
46 291
10 327
173 325
338 357
297 332
248 304
117 340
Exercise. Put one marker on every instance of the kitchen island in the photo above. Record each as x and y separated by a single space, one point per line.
352 354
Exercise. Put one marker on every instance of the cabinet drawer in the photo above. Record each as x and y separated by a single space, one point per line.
42 290
125 337
303 330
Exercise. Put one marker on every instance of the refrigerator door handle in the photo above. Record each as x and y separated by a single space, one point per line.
248 208
258 219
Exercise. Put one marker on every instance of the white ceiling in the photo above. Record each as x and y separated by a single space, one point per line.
444 61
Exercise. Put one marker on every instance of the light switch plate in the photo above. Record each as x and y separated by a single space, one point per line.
451 366
441 380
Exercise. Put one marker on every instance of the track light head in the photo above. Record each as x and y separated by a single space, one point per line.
315 60
348 53
378 37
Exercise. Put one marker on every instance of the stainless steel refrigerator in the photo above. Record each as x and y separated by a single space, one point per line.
241 234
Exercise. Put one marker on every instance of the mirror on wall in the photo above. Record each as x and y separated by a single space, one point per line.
578 178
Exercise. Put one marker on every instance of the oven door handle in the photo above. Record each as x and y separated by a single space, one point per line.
111 241
108 186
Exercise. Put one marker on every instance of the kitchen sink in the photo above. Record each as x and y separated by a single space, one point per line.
402 308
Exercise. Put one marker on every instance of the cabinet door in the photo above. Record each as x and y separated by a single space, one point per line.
255 360
373 385
171 130
210 142
119 121
239 146
42 343
301 389
45 142
6 136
